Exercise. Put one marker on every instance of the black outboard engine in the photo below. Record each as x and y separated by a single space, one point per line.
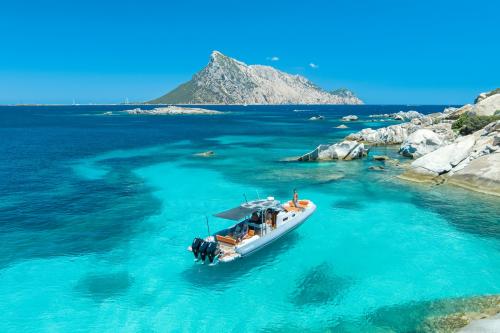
203 249
195 246
212 251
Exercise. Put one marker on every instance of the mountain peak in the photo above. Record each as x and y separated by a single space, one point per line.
228 81
215 54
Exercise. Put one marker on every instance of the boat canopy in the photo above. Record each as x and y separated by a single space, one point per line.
247 209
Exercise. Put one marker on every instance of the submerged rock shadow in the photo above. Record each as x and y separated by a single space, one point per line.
319 286
101 287
221 275
478 214
441 315
347 204
91 217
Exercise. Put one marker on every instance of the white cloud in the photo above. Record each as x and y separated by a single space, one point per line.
275 58
313 65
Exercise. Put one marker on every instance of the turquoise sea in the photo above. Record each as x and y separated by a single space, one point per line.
97 211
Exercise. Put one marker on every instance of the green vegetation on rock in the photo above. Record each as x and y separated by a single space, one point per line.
182 94
468 123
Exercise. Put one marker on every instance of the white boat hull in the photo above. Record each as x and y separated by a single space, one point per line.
286 218
271 236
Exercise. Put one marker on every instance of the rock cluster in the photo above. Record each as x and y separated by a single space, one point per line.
394 134
471 161
345 150
399 134
401 115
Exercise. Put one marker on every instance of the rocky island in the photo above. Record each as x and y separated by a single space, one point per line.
228 81
172 110
459 145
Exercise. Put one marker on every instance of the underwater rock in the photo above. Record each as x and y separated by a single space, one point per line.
347 204
376 168
443 315
319 286
380 157
103 286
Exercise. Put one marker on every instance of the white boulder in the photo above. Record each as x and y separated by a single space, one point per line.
408 115
487 106
350 118
345 150
481 174
420 142
442 160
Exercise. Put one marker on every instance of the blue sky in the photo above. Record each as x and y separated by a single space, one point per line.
388 52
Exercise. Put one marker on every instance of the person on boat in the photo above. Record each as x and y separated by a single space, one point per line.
295 198
255 218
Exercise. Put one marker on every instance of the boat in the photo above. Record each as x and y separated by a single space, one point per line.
258 223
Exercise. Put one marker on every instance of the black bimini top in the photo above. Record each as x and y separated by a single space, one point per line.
247 209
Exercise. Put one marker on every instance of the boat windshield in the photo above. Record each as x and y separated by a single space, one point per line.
247 209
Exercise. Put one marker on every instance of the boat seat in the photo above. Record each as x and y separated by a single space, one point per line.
291 207
302 203
226 239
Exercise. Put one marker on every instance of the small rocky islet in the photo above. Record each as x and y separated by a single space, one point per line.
459 145
172 110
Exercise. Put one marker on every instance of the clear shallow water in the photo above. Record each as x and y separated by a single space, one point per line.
97 212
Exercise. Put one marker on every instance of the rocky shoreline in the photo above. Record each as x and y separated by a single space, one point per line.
460 146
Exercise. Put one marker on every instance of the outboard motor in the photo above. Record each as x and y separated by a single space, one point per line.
203 249
195 246
212 251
